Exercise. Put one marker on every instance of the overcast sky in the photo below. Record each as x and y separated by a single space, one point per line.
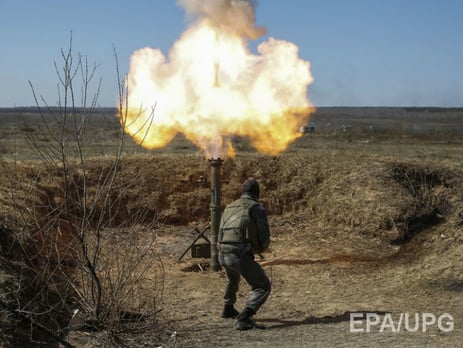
362 52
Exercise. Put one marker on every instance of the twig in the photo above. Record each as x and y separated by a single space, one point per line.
38 325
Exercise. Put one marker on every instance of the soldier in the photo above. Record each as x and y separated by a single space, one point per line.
244 231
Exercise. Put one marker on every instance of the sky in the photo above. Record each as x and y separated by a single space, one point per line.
361 52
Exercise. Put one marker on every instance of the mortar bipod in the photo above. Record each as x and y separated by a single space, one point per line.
198 251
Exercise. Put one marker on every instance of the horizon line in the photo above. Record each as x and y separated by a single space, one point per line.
314 106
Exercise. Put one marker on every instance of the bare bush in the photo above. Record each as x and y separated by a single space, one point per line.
91 256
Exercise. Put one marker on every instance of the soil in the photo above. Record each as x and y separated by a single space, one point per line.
355 238
350 236
315 288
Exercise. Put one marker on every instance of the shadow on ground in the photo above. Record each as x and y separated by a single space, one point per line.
282 323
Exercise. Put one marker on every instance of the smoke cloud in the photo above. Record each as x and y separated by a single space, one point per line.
211 88
236 16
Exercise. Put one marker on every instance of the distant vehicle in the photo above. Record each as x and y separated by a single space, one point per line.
308 129
345 128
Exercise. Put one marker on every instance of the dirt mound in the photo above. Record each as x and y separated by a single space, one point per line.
365 198
341 209
377 203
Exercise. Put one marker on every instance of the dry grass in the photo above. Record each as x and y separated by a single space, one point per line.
336 191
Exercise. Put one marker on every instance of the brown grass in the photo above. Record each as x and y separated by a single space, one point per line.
354 195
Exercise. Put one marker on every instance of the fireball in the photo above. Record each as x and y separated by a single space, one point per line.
211 87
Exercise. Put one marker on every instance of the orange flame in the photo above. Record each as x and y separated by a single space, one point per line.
212 87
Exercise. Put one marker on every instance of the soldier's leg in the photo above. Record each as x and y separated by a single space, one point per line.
231 287
230 263
256 277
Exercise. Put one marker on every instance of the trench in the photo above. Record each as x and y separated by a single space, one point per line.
417 225
429 189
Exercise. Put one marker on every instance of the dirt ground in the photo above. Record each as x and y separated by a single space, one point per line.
353 234
333 254
315 288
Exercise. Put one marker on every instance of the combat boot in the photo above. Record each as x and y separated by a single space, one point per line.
244 321
229 312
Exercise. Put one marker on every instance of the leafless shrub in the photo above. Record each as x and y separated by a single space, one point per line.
91 256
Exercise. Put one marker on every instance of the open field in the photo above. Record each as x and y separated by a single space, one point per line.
366 129
366 215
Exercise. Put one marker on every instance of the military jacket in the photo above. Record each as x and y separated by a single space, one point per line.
245 220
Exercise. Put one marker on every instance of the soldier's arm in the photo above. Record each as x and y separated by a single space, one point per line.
259 214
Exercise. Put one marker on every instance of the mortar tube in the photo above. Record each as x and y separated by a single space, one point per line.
215 208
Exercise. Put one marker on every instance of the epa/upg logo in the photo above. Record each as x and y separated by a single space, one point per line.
410 322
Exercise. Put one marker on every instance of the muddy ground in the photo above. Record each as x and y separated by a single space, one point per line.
353 232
